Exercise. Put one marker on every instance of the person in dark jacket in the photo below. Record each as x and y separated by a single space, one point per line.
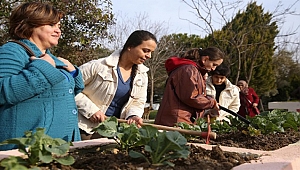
184 98
37 91
249 100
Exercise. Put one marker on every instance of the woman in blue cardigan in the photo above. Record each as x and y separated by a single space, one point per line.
37 91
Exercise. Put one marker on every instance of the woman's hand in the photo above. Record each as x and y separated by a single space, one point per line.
255 104
213 112
135 119
98 117
70 67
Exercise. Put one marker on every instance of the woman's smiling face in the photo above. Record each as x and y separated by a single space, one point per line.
46 36
142 52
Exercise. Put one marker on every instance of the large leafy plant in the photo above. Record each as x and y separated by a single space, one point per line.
268 122
127 136
38 148
276 121
199 127
161 146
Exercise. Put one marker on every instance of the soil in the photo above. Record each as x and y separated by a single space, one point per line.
199 159
262 142
95 158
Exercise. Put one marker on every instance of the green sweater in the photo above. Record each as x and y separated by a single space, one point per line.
36 94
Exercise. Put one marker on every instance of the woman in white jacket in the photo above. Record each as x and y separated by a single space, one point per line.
116 85
220 88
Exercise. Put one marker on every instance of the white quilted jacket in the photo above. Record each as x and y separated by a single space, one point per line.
100 78
229 97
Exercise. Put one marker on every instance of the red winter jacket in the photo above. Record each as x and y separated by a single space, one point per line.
184 97
246 107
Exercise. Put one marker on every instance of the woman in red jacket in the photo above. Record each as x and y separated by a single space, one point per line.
249 100
184 98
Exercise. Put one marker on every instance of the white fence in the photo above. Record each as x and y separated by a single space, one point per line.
290 106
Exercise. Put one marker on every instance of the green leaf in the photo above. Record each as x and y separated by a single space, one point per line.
14 163
108 128
66 160
148 148
183 153
45 157
167 145
34 168
18 167
135 154
159 143
58 150
169 163
176 138
130 137
41 148
147 133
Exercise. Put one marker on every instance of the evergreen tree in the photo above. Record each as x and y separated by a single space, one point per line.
248 41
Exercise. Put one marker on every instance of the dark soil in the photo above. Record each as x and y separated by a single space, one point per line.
199 158
216 159
262 142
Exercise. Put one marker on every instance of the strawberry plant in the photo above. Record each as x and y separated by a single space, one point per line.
38 148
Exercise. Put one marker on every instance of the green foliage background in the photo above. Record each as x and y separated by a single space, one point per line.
248 40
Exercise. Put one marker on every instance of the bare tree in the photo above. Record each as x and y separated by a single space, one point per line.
213 15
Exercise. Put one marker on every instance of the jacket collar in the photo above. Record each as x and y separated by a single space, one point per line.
113 60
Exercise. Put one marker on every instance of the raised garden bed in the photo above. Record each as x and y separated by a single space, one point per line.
106 157
109 157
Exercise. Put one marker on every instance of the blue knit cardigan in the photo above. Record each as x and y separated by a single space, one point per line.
36 94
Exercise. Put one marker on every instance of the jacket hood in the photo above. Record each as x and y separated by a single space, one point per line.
174 62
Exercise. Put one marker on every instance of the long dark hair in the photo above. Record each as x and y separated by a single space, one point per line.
135 39
196 54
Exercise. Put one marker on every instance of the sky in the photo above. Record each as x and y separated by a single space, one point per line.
172 12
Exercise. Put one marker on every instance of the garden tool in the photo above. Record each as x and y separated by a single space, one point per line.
235 114
211 135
